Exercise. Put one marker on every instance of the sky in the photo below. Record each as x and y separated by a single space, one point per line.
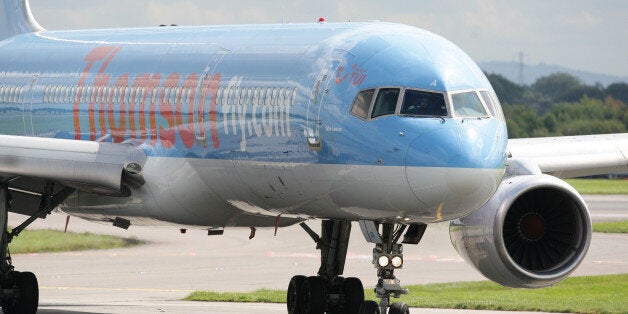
583 35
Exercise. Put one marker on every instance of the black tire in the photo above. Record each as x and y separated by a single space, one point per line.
294 293
399 308
353 295
28 299
369 307
8 283
313 296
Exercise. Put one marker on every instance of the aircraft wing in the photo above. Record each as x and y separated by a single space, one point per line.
574 156
33 166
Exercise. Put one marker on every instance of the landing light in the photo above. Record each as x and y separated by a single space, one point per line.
383 261
397 261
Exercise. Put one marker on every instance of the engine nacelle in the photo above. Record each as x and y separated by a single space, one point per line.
532 233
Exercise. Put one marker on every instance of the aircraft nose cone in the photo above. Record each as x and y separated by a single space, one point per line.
438 148
451 170
470 144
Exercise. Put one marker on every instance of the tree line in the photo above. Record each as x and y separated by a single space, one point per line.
561 104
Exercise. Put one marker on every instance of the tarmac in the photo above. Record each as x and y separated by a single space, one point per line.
154 277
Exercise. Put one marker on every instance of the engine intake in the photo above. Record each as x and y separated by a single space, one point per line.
532 233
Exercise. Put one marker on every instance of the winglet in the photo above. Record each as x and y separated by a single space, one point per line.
16 18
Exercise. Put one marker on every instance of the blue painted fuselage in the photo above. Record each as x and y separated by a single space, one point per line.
272 103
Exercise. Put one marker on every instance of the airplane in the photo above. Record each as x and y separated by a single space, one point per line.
215 127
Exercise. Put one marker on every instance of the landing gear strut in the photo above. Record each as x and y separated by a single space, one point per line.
387 257
327 292
19 290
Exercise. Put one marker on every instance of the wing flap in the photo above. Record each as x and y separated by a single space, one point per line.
574 156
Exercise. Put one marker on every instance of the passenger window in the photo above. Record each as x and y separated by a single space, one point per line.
283 96
143 94
275 97
268 101
81 94
386 102
228 96
280 95
126 94
219 95
115 97
255 96
420 103
66 94
166 95
57 95
14 92
103 91
84 93
362 103
90 95
468 105
74 97
177 98
183 96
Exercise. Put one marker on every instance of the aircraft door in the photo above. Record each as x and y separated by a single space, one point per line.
320 91
206 98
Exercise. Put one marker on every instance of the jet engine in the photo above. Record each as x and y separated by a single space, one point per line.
532 233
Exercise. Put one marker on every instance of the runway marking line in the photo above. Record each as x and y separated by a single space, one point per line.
353 256
116 289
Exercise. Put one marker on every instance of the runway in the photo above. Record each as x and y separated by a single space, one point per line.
607 207
153 278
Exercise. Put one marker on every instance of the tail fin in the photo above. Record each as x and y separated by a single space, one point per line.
16 18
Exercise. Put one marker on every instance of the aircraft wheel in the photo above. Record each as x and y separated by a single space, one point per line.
294 293
399 308
313 297
369 307
353 292
28 299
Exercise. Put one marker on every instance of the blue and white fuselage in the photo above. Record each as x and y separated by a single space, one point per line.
244 123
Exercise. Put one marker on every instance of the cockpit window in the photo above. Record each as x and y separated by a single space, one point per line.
420 103
490 99
468 105
362 103
386 102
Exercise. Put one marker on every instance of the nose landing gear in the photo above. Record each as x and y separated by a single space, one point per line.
387 257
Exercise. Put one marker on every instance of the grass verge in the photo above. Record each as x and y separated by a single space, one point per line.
39 241
594 294
257 296
599 186
611 226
